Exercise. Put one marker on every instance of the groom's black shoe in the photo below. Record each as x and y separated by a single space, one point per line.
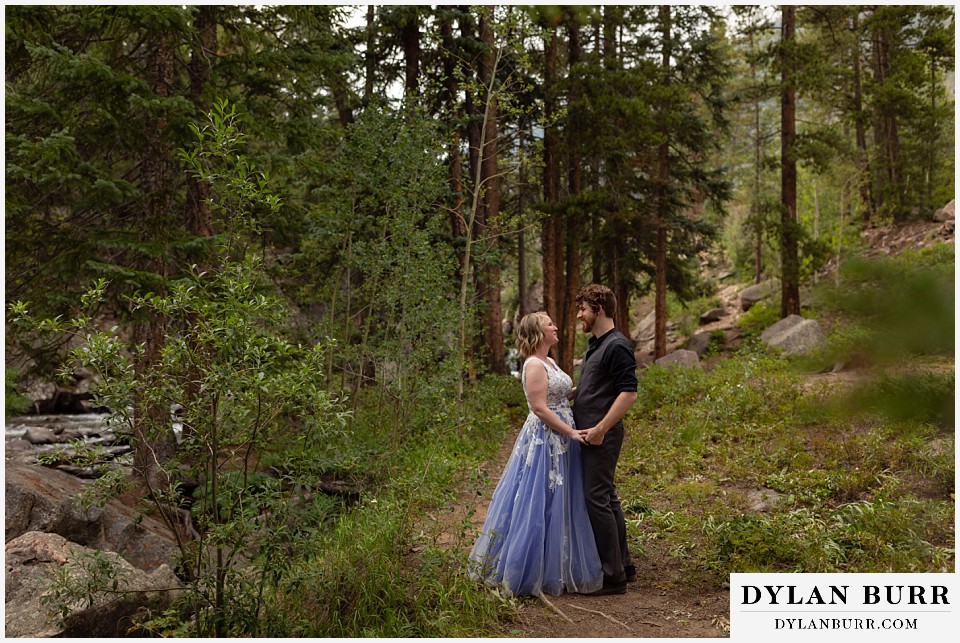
610 588
631 573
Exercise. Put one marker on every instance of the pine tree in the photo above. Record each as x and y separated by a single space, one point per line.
790 269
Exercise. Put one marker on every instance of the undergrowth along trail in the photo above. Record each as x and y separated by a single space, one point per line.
760 464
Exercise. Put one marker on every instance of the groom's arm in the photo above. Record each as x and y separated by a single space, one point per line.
621 364
618 409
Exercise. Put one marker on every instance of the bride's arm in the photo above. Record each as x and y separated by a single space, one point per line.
536 378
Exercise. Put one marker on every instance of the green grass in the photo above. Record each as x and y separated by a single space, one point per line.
863 478
14 402
379 571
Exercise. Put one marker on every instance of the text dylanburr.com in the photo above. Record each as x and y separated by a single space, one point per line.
844 607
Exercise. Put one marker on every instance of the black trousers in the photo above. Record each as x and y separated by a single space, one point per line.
603 505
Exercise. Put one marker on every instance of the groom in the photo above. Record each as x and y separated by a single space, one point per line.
605 392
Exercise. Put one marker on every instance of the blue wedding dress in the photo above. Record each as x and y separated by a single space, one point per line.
537 536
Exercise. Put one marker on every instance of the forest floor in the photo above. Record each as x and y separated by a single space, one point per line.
660 604
666 601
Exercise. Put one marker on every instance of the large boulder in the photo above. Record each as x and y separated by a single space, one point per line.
34 559
794 335
946 213
712 315
39 435
682 357
781 327
758 292
40 499
645 329
698 343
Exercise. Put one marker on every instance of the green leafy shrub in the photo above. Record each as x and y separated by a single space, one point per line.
665 387
244 390
14 402
757 543
760 317
697 405
904 304
921 397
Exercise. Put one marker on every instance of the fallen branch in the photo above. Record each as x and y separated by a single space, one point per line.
554 608
609 618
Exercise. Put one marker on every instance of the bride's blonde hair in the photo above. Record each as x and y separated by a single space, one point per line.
530 333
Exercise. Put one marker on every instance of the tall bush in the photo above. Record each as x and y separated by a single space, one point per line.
253 405
376 260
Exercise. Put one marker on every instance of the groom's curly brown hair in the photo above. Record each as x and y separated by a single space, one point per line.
596 296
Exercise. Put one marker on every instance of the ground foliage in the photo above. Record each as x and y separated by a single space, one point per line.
310 334
862 475
267 552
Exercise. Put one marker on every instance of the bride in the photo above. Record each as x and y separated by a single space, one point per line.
537 536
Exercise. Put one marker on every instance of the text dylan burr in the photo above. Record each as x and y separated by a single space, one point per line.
838 594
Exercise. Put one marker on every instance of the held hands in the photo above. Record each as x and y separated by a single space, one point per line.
592 436
576 436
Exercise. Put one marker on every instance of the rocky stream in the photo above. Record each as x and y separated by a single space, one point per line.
46 531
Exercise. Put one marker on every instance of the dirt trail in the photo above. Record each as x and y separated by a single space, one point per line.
663 603
659 605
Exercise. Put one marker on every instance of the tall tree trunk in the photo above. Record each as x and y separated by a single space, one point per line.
790 295
868 204
596 259
620 286
197 215
154 447
891 132
567 321
886 135
369 56
930 157
879 135
757 205
410 39
550 236
522 286
455 160
488 277
341 98
610 19
473 112
663 205
608 48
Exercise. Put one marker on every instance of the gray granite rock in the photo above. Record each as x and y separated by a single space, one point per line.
682 357
758 292
34 559
795 335
41 499
698 343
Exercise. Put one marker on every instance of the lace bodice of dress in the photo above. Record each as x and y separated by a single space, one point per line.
558 383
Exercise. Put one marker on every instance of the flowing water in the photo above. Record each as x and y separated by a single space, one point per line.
27 436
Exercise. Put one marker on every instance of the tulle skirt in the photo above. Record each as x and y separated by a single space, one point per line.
537 535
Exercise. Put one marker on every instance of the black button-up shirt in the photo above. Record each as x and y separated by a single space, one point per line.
609 368
619 361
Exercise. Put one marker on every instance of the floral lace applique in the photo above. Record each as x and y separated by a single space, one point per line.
557 446
531 450
558 386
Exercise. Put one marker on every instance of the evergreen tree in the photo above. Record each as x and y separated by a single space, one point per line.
790 269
